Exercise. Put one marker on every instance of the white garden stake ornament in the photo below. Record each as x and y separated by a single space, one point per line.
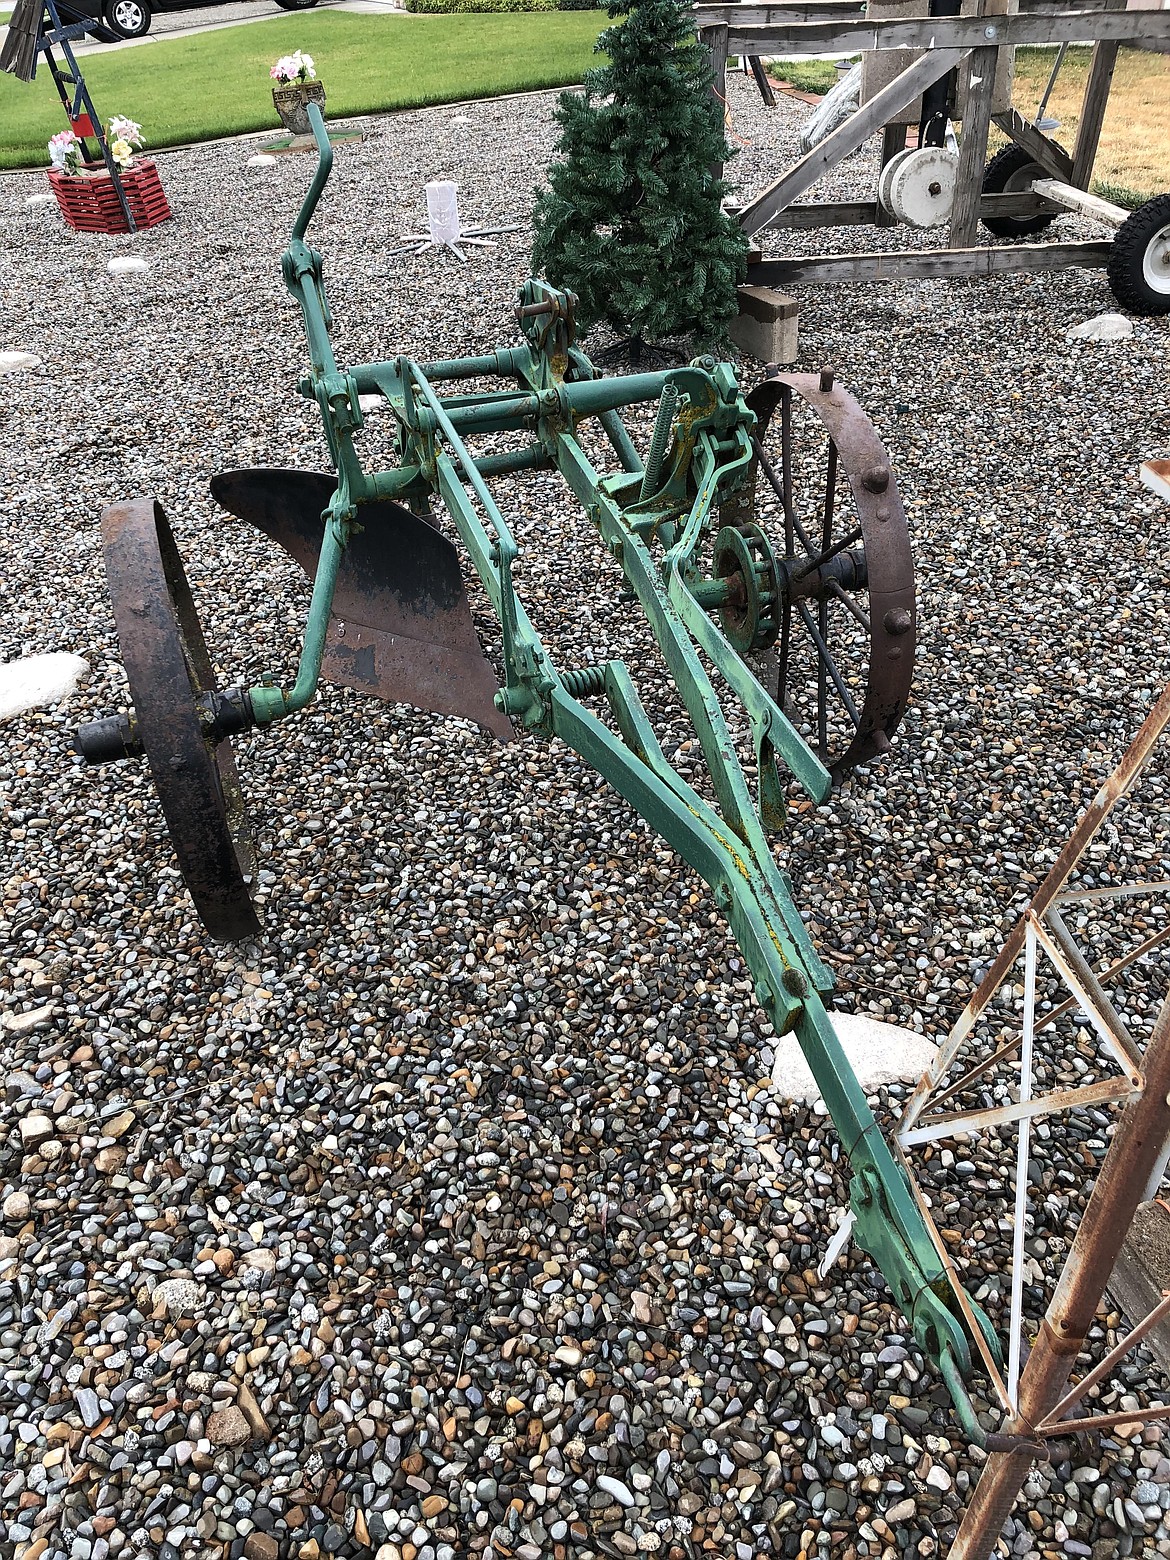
443 227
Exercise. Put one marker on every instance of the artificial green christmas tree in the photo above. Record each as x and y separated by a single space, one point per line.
632 221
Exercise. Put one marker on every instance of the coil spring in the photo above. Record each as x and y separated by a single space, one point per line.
663 424
584 680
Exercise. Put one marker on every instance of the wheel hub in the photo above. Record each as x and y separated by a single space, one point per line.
1156 264
805 579
751 610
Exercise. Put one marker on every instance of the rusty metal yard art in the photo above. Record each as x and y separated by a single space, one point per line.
1035 1393
737 545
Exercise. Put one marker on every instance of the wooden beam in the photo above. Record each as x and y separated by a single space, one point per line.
802 11
785 12
716 40
865 213
1142 1273
1150 28
1051 157
1073 199
847 137
975 113
845 213
1093 112
917 264
756 66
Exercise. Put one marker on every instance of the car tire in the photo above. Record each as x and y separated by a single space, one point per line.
127 18
1010 171
296 5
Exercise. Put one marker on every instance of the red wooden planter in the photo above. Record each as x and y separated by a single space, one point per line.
89 202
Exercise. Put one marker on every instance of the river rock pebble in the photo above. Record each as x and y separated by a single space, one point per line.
228 1427
468 1173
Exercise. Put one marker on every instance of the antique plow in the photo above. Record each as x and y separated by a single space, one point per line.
716 533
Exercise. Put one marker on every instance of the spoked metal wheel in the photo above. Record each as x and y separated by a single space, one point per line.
173 686
844 614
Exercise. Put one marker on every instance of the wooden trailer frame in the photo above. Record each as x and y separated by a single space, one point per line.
840 26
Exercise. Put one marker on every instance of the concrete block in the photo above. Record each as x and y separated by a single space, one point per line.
766 325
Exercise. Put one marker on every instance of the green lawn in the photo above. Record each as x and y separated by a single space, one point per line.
217 83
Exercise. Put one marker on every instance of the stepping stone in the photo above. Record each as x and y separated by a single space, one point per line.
262 160
36 681
127 265
34 202
878 1053
18 362
1103 327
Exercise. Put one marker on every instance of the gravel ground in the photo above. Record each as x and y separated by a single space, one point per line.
456 1214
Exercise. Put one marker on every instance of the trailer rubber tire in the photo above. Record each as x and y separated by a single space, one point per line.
1139 262
1010 171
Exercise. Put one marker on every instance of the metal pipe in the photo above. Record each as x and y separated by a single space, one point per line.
616 433
588 397
1038 121
1137 1144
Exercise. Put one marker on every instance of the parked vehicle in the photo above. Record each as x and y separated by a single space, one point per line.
114 19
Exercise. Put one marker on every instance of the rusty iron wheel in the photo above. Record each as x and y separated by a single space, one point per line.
824 492
169 668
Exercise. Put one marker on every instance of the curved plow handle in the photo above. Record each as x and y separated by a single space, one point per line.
324 169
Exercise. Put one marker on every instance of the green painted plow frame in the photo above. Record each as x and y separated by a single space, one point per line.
652 517
728 848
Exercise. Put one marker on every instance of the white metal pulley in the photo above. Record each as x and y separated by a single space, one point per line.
887 174
921 188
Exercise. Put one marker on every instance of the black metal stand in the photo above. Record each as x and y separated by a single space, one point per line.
34 28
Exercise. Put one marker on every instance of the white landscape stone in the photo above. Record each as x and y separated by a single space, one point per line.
371 403
878 1053
18 362
35 202
1102 327
262 160
127 265
36 681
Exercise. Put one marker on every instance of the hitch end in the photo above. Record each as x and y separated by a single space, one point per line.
108 740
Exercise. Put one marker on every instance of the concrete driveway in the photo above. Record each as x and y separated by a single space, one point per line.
181 24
